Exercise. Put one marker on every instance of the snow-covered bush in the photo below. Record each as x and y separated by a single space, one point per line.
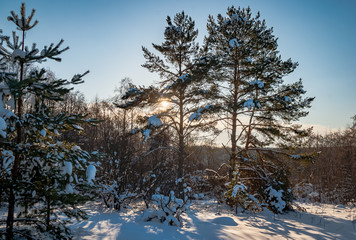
198 183
167 209
260 186
199 196
274 192
306 192
114 198
238 195
275 199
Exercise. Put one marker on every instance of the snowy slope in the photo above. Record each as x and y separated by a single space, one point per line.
207 220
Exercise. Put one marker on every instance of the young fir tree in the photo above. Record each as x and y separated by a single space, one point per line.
258 105
183 87
45 177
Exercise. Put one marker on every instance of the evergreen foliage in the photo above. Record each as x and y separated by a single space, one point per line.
183 69
258 105
45 178
237 78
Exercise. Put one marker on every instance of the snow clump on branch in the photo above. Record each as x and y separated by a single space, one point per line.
259 83
154 121
197 115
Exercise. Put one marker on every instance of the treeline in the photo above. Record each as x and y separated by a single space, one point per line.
333 173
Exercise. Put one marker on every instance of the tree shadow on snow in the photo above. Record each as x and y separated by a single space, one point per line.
106 224
193 228
303 224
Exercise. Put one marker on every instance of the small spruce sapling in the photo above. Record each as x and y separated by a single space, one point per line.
48 177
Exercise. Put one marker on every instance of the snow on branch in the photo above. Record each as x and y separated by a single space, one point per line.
199 112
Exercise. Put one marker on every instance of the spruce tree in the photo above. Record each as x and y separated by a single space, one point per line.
46 177
259 107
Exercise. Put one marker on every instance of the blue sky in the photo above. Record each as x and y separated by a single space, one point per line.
105 37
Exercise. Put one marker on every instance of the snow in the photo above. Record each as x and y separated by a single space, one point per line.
69 189
133 90
249 103
43 132
154 121
198 196
78 127
76 148
276 198
43 52
11 103
18 53
133 131
295 156
208 220
287 99
179 180
7 160
91 170
197 115
67 168
4 89
235 17
3 127
238 188
258 105
184 77
234 43
259 83
146 133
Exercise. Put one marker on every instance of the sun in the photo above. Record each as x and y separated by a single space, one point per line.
163 104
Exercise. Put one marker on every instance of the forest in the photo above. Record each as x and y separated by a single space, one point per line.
156 144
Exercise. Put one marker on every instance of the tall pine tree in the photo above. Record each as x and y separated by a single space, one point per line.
183 70
259 107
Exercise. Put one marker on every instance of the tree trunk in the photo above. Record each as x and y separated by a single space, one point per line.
10 216
14 171
233 157
181 150
48 213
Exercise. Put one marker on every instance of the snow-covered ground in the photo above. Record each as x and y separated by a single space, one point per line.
207 220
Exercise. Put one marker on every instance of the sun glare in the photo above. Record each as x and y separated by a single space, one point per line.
163 104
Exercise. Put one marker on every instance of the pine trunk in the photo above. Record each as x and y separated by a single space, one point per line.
233 157
181 151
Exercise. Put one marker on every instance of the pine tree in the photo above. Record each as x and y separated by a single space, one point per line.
183 86
259 107
45 177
